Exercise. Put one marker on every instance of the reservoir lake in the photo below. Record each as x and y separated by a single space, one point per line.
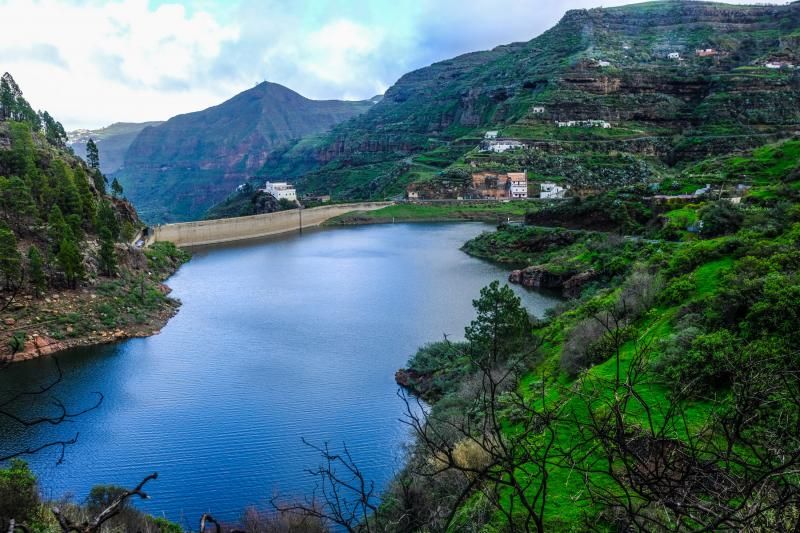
277 340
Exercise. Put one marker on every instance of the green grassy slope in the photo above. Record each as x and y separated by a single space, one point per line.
723 306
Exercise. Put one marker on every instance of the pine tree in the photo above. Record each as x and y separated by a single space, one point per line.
108 253
100 181
36 274
21 159
53 130
10 259
107 219
71 197
87 197
70 259
16 200
56 227
9 91
75 224
92 155
116 188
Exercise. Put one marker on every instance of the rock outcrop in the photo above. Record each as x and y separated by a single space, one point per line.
38 346
540 277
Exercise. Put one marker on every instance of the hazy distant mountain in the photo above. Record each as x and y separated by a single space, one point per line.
177 170
112 141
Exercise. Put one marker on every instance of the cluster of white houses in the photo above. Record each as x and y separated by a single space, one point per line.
485 185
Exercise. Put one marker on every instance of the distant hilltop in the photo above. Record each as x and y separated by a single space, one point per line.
113 141
177 170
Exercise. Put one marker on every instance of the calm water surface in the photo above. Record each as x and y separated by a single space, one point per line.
276 340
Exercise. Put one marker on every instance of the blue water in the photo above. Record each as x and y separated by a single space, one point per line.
275 341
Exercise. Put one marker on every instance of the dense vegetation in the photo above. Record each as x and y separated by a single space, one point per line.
67 269
664 397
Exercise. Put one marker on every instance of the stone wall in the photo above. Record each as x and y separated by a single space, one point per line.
240 228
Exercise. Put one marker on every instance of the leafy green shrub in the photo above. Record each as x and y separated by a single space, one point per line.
699 360
165 526
434 356
678 290
17 342
108 314
163 256
721 218
686 258
102 496
19 497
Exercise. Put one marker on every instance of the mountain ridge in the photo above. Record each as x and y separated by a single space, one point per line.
176 170
437 114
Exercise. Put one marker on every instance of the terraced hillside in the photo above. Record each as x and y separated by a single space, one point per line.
612 65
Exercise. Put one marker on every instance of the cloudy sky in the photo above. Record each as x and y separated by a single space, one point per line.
94 62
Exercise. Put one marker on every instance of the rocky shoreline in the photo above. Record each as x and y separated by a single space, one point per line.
53 335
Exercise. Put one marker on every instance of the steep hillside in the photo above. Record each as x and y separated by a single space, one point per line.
177 170
661 395
113 141
600 64
68 272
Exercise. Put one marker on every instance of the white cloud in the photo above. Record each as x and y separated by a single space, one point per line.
335 53
117 61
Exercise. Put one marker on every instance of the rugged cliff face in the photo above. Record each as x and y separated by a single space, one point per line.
176 170
604 64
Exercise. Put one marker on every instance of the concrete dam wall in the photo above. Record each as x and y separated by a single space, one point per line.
250 227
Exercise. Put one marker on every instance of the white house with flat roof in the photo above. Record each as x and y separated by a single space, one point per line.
281 190
491 134
500 146
551 190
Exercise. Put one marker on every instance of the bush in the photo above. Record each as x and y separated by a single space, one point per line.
435 356
165 526
19 497
721 218
102 496
700 360
583 347
17 342
163 256
678 290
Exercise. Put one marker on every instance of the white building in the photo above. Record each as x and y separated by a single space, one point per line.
704 190
490 135
518 184
552 191
584 124
281 190
602 63
499 147
674 55
538 110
